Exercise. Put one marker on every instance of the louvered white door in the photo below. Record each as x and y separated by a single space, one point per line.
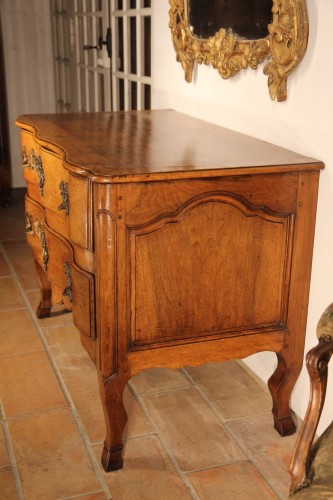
131 62
64 56
91 19
88 76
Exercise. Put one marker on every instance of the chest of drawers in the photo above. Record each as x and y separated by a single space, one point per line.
174 242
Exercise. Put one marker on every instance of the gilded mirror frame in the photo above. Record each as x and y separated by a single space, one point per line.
283 48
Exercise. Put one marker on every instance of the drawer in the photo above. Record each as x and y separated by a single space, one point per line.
70 284
60 257
47 182
53 253
80 212
66 197
55 192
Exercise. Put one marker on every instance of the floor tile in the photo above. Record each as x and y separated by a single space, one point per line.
80 376
158 379
65 345
194 433
92 496
7 489
4 269
148 473
137 422
59 314
25 272
231 482
242 458
266 449
12 223
17 250
28 384
234 393
20 256
4 457
10 296
50 456
17 333
85 396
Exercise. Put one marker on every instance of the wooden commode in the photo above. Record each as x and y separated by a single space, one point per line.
174 242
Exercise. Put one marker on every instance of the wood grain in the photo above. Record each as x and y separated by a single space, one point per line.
187 243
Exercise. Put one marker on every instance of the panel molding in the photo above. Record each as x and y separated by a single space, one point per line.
155 317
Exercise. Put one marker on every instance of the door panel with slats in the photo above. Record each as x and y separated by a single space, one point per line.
87 79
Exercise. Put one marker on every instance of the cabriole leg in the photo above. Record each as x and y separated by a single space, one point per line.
115 415
317 360
281 385
44 307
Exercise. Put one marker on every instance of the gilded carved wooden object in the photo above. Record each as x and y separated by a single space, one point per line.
283 47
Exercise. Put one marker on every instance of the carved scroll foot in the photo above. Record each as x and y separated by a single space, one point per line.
281 385
43 312
285 426
44 307
112 458
115 415
317 360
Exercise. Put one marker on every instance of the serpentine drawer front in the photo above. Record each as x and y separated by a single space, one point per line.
174 242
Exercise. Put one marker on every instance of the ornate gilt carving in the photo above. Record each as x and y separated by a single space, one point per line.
25 159
28 223
68 292
284 46
37 229
63 186
35 163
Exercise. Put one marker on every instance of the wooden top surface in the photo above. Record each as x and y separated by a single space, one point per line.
152 145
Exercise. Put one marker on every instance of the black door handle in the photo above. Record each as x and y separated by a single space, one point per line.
101 42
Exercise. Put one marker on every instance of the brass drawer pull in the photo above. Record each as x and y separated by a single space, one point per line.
35 163
63 186
37 229
28 223
68 292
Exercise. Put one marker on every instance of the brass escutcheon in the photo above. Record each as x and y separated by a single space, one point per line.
37 229
68 292
63 186
35 163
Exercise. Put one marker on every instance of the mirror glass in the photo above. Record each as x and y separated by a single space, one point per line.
247 19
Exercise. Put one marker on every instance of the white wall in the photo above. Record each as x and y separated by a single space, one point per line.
26 30
303 123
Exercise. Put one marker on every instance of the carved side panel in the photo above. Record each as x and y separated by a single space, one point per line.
214 267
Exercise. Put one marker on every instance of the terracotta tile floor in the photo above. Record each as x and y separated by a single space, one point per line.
197 433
